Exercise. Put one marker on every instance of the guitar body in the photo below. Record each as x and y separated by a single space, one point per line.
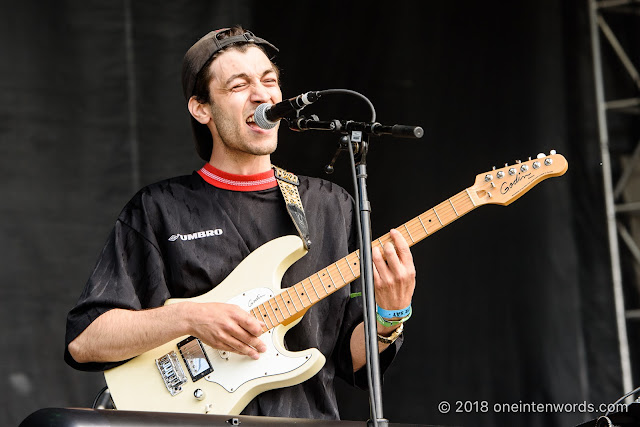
215 381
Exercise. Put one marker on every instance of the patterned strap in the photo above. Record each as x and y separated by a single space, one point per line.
288 184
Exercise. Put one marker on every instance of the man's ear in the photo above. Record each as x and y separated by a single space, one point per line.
199 111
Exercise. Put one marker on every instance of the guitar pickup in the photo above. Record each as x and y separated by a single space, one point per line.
195 358
171 372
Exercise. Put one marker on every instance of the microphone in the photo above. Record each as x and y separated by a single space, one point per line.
267 115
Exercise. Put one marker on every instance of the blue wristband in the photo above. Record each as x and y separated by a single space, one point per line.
390 314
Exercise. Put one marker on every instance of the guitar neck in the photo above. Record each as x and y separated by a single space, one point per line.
292 302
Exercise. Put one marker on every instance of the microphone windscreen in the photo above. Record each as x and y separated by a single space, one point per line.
260 116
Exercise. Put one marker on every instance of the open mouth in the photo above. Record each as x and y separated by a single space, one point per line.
252 123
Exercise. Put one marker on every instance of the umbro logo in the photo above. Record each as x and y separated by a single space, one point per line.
196 235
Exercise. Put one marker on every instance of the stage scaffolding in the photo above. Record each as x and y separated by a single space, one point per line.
610 44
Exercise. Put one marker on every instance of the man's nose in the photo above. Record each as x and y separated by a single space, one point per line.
259 93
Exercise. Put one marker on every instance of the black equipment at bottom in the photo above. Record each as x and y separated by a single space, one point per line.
628 418
76 417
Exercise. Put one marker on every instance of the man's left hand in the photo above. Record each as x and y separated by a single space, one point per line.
394 273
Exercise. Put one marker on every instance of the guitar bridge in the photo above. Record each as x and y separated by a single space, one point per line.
171 372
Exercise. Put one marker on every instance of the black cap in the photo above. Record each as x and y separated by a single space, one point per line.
196 57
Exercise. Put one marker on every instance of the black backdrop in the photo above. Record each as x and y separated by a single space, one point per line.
513 304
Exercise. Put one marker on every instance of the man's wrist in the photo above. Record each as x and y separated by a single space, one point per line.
389 337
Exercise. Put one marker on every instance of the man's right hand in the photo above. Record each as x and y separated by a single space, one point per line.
227 327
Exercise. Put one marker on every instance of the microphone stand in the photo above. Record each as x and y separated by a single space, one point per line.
368 289
356 135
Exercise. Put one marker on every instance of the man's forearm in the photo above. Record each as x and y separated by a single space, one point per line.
121 334
358 350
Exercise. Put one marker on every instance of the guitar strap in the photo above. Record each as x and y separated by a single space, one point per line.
288 184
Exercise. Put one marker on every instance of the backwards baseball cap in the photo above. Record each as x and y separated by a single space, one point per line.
200 55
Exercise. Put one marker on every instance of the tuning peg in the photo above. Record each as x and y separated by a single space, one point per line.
541 155
529 157
518 161
506 164
552 152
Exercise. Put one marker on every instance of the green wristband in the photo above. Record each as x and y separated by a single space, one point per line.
389 323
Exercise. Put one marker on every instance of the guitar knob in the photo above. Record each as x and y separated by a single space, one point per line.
488 177
548 162
524 168
536 165
500 175
198 394
512 171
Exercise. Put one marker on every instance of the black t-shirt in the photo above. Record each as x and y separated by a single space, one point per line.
180 237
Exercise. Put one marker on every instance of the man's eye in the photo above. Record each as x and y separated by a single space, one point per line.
239 86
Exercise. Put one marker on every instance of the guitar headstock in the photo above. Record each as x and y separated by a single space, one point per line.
504 186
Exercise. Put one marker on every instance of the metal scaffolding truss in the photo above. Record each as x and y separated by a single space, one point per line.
605 40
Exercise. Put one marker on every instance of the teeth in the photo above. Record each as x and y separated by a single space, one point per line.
250 120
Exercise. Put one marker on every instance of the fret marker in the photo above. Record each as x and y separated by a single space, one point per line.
331 278
349 265
321 282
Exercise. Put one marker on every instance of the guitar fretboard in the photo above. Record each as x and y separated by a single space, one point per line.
288 305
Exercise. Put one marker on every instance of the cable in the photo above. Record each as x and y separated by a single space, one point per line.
98 396
352 92
620 400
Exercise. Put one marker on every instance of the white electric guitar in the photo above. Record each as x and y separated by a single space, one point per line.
186 375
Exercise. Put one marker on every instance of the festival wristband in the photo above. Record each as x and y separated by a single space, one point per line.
390 314
389 323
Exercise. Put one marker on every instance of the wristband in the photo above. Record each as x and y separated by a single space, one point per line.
388 323
390 314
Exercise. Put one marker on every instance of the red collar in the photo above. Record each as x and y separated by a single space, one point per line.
229 181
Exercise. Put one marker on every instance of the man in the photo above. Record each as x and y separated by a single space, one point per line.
235 199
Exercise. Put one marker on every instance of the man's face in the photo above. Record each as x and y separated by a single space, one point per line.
242 81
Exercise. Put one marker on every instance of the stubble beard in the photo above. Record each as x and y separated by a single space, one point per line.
231 136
